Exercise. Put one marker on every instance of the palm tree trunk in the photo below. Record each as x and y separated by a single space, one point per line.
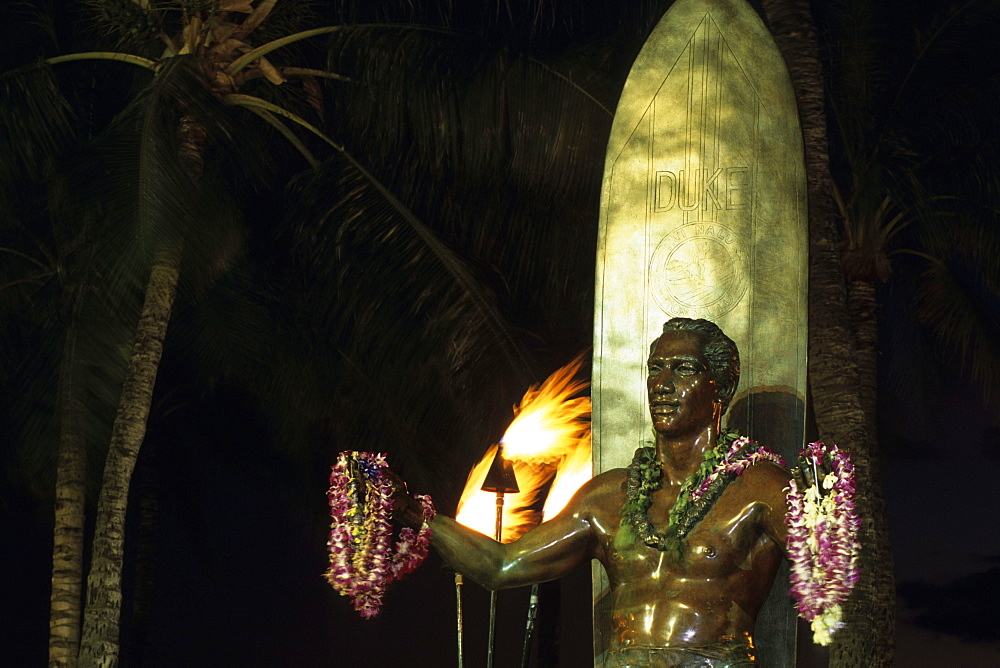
104 595
147 530
878 560
102 616
68 534
834 375
863 310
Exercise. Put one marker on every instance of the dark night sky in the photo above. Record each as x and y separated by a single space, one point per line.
943 508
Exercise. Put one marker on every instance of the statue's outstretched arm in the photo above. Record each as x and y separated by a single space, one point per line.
550 550
546 552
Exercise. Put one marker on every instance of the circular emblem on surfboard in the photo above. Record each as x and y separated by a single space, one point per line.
699 270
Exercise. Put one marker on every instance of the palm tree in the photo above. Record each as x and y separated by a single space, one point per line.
48 286
885 189
834 374
165 154
916 182
155 153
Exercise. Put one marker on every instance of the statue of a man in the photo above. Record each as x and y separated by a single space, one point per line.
684 590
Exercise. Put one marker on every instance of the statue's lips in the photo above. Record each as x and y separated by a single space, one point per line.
664 407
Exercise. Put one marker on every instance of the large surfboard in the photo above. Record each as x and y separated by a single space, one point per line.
703 215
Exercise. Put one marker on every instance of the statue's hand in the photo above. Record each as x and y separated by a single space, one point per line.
805 473
405 509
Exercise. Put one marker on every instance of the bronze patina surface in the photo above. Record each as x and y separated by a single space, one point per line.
703 215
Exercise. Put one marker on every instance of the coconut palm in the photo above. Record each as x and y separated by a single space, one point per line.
167 159
75 376
499 150
916 182
834 373
884 196
50 299
159 175
915 188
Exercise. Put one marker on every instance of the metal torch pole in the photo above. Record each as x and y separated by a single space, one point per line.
458 615
529 630
497 534
500 479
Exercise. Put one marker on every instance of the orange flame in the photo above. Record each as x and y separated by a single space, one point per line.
548 446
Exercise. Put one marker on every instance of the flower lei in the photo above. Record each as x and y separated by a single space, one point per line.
719 467
822 539
361 563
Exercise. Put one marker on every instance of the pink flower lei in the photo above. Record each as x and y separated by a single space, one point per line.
360 544
735 460
823 540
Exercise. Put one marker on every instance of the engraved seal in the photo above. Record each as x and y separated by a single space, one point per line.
698 270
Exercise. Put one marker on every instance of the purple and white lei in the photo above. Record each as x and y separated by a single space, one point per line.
823 540
361 560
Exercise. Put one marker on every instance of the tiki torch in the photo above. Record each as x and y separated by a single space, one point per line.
501 480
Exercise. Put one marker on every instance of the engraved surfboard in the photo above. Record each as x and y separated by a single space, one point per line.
703 215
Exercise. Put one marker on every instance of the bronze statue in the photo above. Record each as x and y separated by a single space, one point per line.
685 590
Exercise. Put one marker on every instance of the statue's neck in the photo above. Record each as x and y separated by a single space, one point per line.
682 456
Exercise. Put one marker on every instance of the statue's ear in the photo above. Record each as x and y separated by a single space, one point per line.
725 392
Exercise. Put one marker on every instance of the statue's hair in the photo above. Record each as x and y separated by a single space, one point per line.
721 353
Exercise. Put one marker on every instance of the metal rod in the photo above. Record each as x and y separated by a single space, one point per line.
493 623
498 535
816 480
529 630
458 615
500 479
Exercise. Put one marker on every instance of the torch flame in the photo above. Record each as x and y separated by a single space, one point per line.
548 445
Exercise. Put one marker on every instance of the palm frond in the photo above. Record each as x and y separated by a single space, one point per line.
29 393
287 17
546 23
970 237
134 176
72 357
287 133
36 124
129 26
963 319
283 41
28 28
486 143
499 157
116 56
952 46
858 72
355 208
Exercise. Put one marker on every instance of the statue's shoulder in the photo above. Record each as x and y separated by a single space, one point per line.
604 493
762 459
771 470
596 492
612 478
767 478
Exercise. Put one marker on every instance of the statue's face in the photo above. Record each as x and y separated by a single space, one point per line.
682 390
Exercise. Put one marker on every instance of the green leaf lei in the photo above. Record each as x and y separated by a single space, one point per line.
719 467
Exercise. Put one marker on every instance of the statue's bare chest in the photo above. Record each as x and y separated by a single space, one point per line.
719 545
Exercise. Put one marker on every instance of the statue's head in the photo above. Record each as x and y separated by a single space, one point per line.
720 354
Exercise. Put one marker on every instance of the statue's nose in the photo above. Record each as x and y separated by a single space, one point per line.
663 383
